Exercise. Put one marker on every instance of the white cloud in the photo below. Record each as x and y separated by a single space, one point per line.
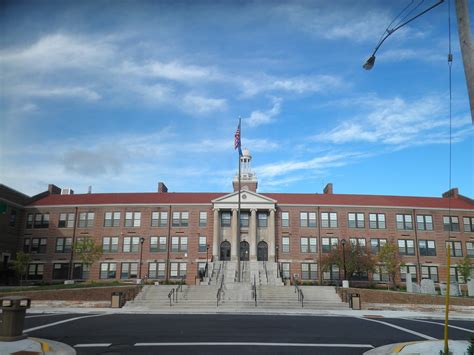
401 54
258 118
203 105
56 92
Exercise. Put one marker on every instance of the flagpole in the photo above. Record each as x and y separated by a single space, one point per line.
238 211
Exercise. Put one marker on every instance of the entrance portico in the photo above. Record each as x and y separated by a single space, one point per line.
260 226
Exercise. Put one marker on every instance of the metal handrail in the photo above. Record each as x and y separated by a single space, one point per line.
255 289
299 292
221 287
265 268
171 294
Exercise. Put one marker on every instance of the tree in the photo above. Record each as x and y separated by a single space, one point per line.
87 251
357 260
465 267
20 264
391 260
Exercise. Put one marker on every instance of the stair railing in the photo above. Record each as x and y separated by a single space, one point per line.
266 272
254 289
171 296
299 292
221 288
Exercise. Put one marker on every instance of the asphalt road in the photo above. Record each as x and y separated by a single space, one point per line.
233 334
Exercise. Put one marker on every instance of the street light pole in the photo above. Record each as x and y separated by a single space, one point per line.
343 243
142 240
207 258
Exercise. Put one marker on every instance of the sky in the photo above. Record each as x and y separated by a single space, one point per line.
120 95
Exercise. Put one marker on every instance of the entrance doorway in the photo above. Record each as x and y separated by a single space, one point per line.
244 251
262 251
225 251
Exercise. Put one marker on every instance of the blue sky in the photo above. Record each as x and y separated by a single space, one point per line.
123 94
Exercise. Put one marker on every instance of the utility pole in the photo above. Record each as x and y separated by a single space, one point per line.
467 49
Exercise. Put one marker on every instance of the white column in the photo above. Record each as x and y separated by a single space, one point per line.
233 228
271 235
216 238
253 234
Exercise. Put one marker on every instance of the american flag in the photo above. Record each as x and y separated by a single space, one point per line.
237 137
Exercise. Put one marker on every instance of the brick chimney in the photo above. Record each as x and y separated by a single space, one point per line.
162 187
54 190
328 189
454 193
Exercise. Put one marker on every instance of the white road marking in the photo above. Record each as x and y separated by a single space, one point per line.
258 344
61 322
48 315
97 345
442 324
424 336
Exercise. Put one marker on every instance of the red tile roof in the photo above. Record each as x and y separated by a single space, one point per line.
282 198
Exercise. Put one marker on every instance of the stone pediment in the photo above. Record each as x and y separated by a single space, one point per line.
248 200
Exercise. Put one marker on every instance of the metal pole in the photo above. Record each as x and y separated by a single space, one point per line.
238 210
343 242
71 266
142 240
446 311
467 48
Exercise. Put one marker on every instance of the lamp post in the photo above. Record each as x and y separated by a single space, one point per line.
207 258
142 240
343 243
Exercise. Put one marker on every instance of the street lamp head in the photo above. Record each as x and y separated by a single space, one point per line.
343 242
369 64
142 240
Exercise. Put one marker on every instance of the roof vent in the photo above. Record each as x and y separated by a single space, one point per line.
67 192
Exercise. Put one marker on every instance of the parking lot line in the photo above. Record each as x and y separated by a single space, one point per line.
258 344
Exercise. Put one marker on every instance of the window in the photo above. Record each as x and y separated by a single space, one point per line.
429 272
470 249
12 219
225 219
112 219
157 244
308 219
86 219
456 248
285 243
358 243
332 273
41 220
156 270
203 219
80 271
406 247
129 271
408 269
456 275
60 271
244 220
328 244
179 244
468 224
424 223
159 219
38 245
285 219
328 220
262 219
355 220
35 271
130 244
63 245
202 244
66 220
427 247
133 219
178 270
110 244
377 220
285 270
180 219
29 221
377 244
309 271
451 223
26 246
404 221
380 274
108 270
308 244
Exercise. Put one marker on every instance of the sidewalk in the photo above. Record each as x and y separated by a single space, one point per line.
431 347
